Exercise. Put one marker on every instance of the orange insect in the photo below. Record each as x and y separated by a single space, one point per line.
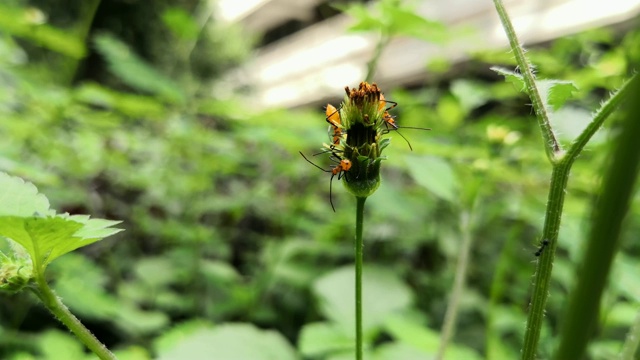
343 165
333 118
389 120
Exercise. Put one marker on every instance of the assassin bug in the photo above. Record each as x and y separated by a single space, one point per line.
389 120
544 244
343 165
333 118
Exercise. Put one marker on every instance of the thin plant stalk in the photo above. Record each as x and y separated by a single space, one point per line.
632 342
372 65
451 314
581 315
53 303
561 166
359 247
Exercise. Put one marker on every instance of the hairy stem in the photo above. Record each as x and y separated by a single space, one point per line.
542 280
62 313
552 146
359 244
582 310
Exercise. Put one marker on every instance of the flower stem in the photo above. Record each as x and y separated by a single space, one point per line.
62 313
358 259
453 308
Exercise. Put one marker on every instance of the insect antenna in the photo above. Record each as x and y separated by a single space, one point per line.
312 163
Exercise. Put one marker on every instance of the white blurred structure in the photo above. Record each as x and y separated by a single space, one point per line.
315 64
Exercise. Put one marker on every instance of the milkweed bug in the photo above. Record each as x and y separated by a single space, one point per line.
343 165
389 120
544 244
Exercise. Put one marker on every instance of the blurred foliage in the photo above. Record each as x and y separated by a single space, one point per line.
230 239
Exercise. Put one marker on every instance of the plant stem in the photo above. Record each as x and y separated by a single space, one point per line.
373 63
450 316
553 216
62 313
552 146
582 310
555 203
359 244
632 341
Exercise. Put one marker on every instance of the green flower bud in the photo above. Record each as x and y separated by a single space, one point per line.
363 117
15 274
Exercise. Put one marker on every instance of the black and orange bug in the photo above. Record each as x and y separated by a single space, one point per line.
390 122
544 244
343 165
333 118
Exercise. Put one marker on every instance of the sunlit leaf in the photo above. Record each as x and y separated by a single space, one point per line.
317 339
384 293
231 341
406 22
20 198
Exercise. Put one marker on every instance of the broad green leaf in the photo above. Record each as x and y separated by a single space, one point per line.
82 285
384 293
435 174
231 341
134 71
409 332
136 321
60 345
395 351
47 238
20 198
406 22
317 339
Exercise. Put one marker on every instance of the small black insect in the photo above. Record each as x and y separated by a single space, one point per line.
544 244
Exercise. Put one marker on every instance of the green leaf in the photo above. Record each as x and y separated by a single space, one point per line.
408 331
405 22
317 339
181 23
15 21
555 93
365 21
512 77
231 341
59 345
384 293
47 238
435 174
134 71
20 198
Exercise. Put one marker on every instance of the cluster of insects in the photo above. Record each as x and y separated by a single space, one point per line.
338 134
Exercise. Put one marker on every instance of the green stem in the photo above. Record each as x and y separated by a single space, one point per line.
582 309
555 203
62 313
632 341
552 146
373 63
559 179
359 248
451 314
